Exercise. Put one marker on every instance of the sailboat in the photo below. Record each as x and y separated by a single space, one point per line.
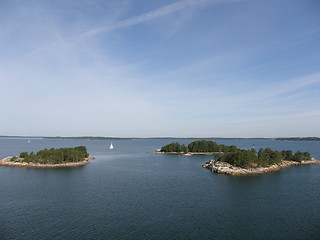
111 146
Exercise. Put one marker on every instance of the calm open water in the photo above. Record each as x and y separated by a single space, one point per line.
127 193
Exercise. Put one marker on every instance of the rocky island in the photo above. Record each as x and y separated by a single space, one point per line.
50 158
226 168
234 161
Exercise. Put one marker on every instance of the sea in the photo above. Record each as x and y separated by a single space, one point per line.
131 193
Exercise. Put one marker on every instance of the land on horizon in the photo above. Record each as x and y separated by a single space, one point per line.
130 138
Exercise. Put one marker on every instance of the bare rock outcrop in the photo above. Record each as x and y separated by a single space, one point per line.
19 163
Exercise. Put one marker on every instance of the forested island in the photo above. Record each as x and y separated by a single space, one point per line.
235 161
62 157
199 146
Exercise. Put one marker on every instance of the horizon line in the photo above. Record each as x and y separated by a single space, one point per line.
150 137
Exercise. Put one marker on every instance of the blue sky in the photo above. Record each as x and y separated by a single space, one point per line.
125 68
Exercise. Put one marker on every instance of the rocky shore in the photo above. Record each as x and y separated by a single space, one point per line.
6 162
226 168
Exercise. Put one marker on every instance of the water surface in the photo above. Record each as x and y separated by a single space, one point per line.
128 193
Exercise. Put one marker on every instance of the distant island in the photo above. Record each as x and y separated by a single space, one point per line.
299 139
234 161
68 138
155 138
62 157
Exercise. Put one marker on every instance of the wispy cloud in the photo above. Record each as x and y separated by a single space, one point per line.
288 97
169 9
282 88
74 38
205 76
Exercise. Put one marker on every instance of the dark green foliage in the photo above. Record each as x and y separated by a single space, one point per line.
210 146
23 154
184 148
203 146
299 156
175 147
55 156
265 157
306 156
198 146
287 155
240 158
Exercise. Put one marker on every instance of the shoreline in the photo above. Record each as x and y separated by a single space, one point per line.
189 153
228 169
5 162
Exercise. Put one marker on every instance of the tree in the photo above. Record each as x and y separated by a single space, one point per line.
23 154
287 155
298 156
174 147
306 156
204 146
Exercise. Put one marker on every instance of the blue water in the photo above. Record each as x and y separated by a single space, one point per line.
128 193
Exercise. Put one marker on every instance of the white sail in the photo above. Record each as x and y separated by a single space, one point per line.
111 146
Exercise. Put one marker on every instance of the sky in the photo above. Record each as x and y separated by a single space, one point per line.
147 68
